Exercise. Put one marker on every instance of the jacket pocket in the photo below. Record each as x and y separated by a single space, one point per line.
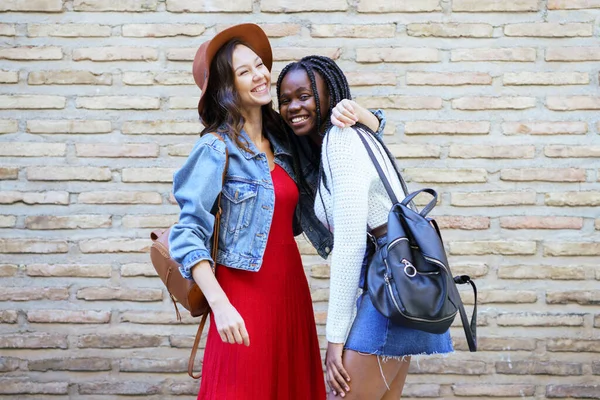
238 201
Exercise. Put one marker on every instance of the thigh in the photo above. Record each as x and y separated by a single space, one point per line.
395 392
369 374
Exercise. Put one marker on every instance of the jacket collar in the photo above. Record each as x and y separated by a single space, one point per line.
279 148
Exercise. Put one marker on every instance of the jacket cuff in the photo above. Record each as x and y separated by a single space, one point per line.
192 259
380 115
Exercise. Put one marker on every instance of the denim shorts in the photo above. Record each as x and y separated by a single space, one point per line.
372 333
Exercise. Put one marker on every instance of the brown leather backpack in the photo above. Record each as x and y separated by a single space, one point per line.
184 291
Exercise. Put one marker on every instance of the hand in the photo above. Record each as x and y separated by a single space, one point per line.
344 114
337 377
230 324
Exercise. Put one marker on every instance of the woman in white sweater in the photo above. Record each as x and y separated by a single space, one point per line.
367 355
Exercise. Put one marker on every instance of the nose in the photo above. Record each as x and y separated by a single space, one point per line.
258 74
294 105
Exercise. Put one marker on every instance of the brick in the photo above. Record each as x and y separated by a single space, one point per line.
543 174
386 6
580 297
33 341
9 173
174 78
8 221
68 174
117 293
138 269
9 364
33 149
415 151
32 5
8 30
508 247
108 197
402 102
573 103
25 386
573 391
508 54
138 78
70 270
494 5
163 318
33 294
421 390
115 245
8 77
538 368
31 102
447 128
68 30
183 103
70 364
498 344
573 54
446 175
572 4
183 388
31 53
474 270
7 270
272 30
320 271
532 222
129 150
493 103
149 221
115 5
463 223
161 127
69 126
448 78
182 54
559 151
493 390
68 78
8 316
544 128
573 199
122 341
118 103
546 78
33 246
564 249
573 345
296 53
549 29
450 30
397 54
147 174
68 316
541 272
445 366
371 78
482 151
164 365
353 31
128 387
180 150
202 6
43 222
60 198
291 6
162 30
8 126
539 319
505 296
115 54
481 199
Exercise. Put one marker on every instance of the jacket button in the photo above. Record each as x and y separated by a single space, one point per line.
327 249
310 229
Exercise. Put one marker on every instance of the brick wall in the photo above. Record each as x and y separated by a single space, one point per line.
493 103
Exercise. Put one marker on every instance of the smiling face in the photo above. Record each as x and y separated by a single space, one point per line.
297 103
252 79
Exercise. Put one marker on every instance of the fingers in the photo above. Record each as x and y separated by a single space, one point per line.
245 335
342 119
336 380
231 326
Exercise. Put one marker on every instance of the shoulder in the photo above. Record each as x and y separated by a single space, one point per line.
342 141
211 141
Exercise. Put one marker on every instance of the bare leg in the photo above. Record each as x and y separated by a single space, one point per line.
395 392
367 382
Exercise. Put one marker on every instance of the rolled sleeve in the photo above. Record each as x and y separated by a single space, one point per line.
380 115
196 187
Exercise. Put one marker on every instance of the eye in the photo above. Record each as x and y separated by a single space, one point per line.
243 72
283 101
304 97
260 64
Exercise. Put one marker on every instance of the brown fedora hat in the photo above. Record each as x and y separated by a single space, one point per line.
251 34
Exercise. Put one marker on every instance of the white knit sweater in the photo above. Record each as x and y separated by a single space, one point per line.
356 199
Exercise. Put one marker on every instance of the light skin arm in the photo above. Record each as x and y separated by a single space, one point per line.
348 112
229 322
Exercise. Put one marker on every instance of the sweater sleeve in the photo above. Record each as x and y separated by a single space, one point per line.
349 186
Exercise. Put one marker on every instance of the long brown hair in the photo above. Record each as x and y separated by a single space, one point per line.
222 104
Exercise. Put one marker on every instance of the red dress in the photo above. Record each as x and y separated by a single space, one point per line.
283 361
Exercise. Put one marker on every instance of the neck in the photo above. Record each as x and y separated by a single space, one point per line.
253 124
